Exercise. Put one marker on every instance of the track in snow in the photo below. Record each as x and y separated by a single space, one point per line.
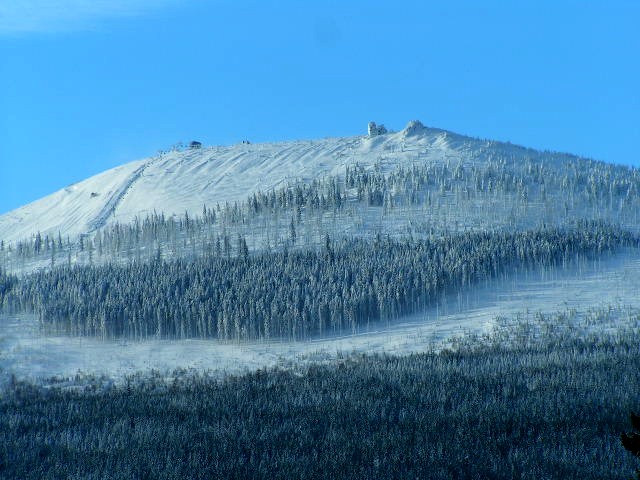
112 203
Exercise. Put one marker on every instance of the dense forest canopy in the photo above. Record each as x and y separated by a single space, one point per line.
290 294
552 409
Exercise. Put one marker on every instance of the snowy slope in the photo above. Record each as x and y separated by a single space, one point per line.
553 187
70 210
179 181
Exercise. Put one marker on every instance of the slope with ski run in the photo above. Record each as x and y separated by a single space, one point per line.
176 182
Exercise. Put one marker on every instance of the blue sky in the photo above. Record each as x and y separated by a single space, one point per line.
86 85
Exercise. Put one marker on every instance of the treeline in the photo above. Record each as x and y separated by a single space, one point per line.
492 189
576 181
291 294
158 229
553 409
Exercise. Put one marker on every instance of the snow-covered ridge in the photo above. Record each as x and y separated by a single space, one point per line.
182 181
178 181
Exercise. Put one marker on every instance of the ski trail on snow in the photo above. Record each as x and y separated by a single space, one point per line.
116 197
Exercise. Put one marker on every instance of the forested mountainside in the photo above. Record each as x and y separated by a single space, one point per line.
249 245
379 231
288 295
416 183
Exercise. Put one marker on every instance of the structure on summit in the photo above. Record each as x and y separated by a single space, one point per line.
375 130
195 144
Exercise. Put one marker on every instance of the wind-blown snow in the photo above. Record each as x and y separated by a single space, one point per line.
605 289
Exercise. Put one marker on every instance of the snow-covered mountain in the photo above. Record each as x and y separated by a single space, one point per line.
411 183
183 180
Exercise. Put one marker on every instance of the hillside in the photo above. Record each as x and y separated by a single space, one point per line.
184 180
388 266
415 183
457 170
308 239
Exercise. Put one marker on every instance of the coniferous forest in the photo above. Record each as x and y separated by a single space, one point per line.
552 409
288 295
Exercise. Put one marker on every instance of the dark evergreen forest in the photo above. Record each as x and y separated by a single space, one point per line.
550 409
287 295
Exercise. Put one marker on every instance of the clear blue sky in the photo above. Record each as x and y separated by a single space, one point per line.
86 85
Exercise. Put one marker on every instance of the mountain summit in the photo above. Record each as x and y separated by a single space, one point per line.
435 169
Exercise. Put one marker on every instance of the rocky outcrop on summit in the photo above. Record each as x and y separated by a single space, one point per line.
414 127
